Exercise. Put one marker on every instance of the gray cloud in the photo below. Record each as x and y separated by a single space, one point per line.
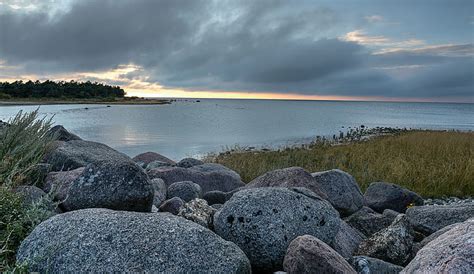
271 46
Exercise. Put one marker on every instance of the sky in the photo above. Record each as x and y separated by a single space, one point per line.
404 50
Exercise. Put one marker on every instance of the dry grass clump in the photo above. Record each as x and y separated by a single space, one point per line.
431 163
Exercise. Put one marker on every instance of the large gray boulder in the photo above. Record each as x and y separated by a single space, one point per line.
288 177
380 196
368 265
208 177
78 153
160 191
452 252
393 244
189 162
308 254
144 159
101 240
342 190
186 190
59 133
113 185
263 221
429 219
368 221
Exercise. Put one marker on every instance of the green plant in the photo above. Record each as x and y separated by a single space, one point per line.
22 145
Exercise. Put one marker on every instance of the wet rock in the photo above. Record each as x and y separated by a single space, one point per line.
101 240
198 211
172 205
368 265
263 221
451 252
59 133
222 179
144 159
77 153
189 162
288 177
215 197
113 185
368 221
342 190
186 190
380 196
160 191
429 219
392 244
308 254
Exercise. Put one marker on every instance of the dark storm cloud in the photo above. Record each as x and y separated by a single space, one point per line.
271 46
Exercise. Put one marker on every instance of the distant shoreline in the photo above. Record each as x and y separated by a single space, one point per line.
29 101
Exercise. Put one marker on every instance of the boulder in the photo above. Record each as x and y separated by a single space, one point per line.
288 177
101 240
186 190
368 221
428 219
198 211
215 197
451 252
57 183
34 196
189 162
160 191
342 190
77 153
263 221
380 196
347 240
435 235
218 179
113 185
144 159
368 265
172 205
392 244
308 254
59 133
157 164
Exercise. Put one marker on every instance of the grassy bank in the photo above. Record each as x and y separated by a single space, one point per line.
432 163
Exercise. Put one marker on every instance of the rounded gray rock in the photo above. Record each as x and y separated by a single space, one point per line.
308 254
288 177
263 221
144 159
429 219
186 190
368 265
368 221
380 196
101 240
215 197
172 205
451 252
78 153
189 162
342 190
113 185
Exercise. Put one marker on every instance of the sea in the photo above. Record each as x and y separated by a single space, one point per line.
197 127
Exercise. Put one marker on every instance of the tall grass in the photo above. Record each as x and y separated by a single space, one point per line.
23 143
431 163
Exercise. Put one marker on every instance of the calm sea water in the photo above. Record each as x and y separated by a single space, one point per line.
190 128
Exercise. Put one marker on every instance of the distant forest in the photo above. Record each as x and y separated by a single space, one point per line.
58 90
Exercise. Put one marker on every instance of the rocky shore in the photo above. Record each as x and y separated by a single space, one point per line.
113 213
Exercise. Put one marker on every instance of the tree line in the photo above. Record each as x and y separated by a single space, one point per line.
59 89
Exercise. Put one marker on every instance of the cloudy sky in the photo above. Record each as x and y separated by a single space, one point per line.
416 50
